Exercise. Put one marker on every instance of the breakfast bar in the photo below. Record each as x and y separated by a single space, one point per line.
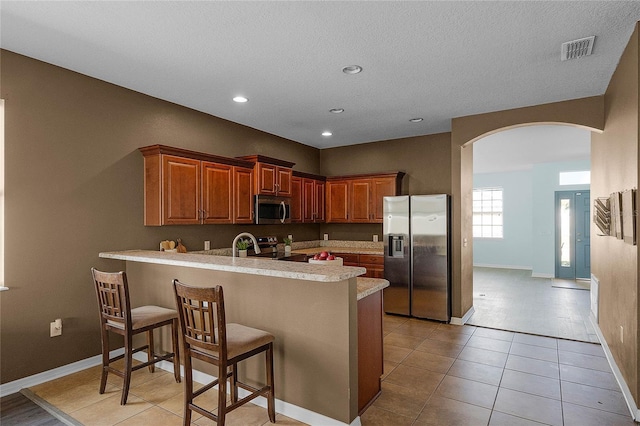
312 310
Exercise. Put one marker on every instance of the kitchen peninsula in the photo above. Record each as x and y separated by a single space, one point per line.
312 310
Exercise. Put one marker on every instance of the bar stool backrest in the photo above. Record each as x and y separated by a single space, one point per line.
202 317
112 291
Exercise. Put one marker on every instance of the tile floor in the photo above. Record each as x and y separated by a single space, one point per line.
154 399
510 299
440 374
435 374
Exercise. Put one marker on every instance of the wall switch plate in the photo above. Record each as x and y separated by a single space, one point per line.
326 237
55 328
621 334
207 245
375 238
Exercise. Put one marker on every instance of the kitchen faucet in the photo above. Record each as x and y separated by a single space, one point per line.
245 234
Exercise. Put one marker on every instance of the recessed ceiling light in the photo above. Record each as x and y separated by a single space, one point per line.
336 110
326 133
240 99
352 69
416 120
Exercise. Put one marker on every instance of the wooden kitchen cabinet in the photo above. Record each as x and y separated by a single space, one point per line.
374 263
296 199
337 203
308 194
243 195
358 199
370 350
181 190
183 187
217 193
271 176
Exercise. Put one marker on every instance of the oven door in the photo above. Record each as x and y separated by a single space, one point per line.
272 210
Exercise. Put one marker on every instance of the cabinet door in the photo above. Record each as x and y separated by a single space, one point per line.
242 195
297 199
381 187
337 201
266 178
308 200
181 190
217 193
283 181
319 204
360 201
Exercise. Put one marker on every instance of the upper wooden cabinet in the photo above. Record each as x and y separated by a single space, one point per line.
337 209
307 198
296 199
271 176
358 199
184 187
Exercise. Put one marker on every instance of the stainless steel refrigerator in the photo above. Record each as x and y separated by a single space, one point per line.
417 256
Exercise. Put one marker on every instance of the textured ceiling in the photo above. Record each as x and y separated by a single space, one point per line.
435 60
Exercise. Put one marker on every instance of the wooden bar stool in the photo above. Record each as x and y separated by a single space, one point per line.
117 316
207 336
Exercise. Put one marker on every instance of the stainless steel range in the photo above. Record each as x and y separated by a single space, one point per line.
269 249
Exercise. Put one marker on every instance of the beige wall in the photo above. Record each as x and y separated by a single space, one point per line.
614 167
74 181
424 159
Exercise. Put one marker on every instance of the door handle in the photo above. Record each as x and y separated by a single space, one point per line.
283 207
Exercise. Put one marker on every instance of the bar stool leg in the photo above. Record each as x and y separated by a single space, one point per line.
271 407
188 388
105 359
176 350
222 393
128 363
150 352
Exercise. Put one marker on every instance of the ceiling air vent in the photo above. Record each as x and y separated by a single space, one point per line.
577 48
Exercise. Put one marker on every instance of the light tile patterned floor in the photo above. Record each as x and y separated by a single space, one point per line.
154 399
434 374
440 374
510 299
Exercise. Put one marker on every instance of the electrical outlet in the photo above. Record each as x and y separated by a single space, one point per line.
55 328
207 245
326 237
375 238
621 334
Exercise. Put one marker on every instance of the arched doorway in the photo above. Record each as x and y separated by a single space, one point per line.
515 228
586 113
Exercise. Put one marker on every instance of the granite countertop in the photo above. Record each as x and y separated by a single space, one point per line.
256 266
338 246
368 286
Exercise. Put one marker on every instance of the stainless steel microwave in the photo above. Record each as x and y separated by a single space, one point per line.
272 210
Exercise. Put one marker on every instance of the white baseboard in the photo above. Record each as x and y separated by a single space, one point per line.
464 319
626 392
491 265
282 407
15 386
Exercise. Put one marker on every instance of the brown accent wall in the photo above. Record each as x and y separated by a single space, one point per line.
424 159
614 167
74 188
